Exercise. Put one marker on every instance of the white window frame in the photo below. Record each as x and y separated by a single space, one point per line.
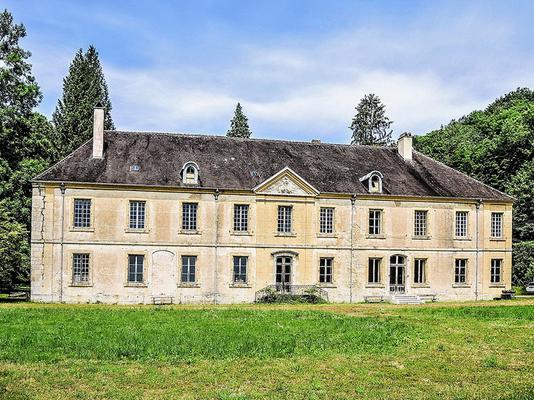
285 219
420 223
497 225
241 216
326 270
374 273
189 216
188 269
240 270
419 271
137 214
460 271
81 214
461 224
326 220
81 268
138 269
496 271
375 222
190 172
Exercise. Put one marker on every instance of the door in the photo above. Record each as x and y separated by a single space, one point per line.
397 268
283 273
163 274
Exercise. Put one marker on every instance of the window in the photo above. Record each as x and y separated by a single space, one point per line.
461 224
374 270
189 216
135 268
189 269
496 225
284 219
240 269
326 220
420 218
325 269
460 270
190 173
375 184
82 213
240 217
137 215
496 270
419 267
375 222
80 268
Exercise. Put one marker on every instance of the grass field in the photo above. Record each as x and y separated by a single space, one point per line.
479 350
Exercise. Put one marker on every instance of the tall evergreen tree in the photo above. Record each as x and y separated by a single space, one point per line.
370 125
83 88
239 124
27 146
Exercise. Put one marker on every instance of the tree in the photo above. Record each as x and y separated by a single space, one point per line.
370 125
239 124
83 88
27 146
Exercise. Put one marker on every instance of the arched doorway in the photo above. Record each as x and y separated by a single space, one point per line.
397 274
284 266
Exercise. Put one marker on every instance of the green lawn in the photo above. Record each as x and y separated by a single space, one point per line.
479 350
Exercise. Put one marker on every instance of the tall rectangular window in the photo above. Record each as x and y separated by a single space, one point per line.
189 216
240 217
325 269
496 270
374 270
496 225
189 264
284 219
137 214
375 222
461 224
82 213
460 270
419 267
80 268
420 221
136 268
240 269
326 220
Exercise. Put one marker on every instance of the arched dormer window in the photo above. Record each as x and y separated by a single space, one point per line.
373 181
190 173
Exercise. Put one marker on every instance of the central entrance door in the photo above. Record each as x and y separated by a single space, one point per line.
397 269
283 272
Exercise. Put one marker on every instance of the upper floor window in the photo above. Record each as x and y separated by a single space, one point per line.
373 275
373 181
460 270
190 173
419 268
461 224
240 217
240 269
189 264
189 216
136 263
326 220
284 219
325 269
496 224
137 214
496 270
80 268
420 223
375 222
82 213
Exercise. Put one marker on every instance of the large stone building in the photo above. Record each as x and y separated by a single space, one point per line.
131 217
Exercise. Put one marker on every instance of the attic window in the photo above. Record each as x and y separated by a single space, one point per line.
190 173
135 168
373 181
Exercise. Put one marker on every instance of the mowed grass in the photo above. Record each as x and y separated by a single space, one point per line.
479 350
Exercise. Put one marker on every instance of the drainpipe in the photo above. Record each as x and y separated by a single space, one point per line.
352 203
215 272
62 187
477 247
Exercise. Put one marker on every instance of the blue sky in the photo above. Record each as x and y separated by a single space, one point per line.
298 67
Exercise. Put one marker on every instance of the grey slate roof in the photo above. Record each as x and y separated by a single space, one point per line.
235 163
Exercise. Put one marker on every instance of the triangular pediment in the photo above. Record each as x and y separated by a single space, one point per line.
286 183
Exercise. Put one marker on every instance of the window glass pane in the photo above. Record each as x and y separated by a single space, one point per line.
496 270
284 219
241 217
325 270
188 274
137 215
80 268
135 268
420 218
461 224
460 270
189 216
419 270
496 225
82 213
240 269
326 220
375 217
374 270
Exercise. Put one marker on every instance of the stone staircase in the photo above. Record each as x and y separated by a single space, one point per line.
406 299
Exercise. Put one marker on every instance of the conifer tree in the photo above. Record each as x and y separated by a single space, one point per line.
239 124
83 88
370 124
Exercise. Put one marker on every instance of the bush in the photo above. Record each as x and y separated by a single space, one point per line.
523 263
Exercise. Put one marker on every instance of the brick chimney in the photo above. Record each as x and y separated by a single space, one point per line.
404 146
98 132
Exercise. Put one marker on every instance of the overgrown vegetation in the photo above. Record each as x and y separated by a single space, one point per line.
436 351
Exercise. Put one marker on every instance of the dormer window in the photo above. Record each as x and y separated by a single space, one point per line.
373 181
190 173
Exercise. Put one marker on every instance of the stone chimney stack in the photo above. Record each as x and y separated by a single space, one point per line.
404 146
98 132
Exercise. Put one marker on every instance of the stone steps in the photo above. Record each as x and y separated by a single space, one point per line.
406 299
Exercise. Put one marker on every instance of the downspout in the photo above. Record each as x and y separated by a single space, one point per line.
477 248
215 272
62 187
352 202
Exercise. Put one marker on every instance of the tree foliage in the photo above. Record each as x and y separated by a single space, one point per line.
239 124
523 261
370 125
83 88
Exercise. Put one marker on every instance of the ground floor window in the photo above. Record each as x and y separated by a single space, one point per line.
419 267
496 270
240 269
460 270
325 269
374 270
80 268
135 268
189 269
